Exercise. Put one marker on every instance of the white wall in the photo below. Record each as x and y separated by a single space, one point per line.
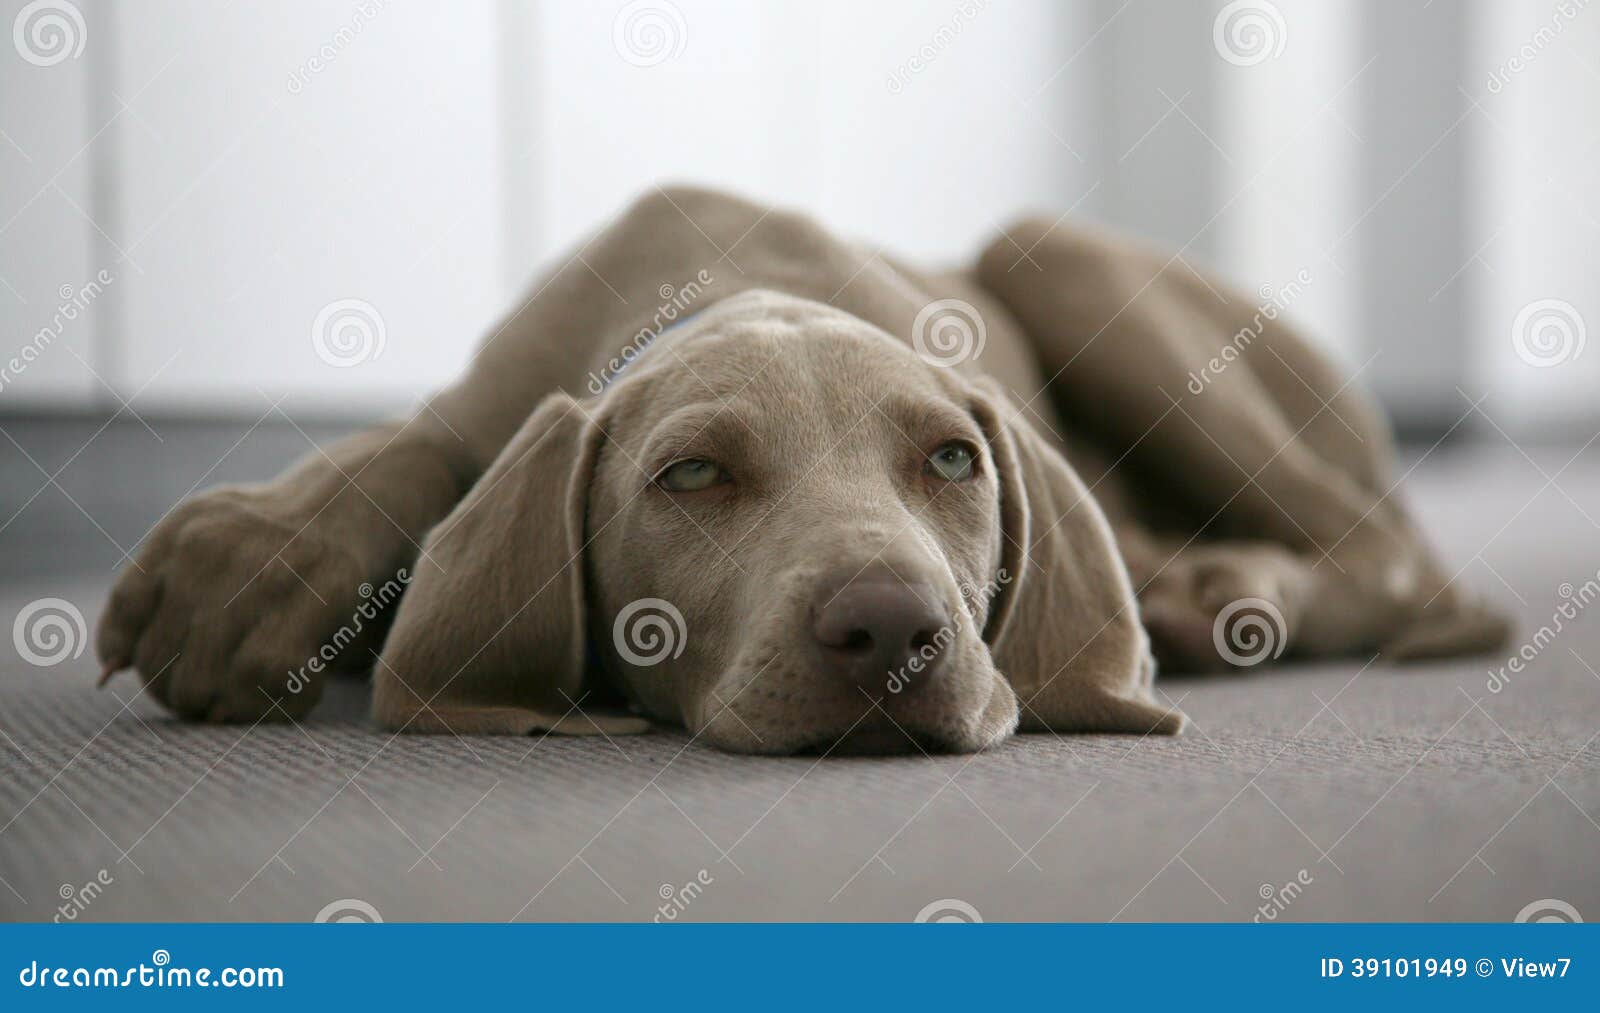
439 153
47 243
1536 134
812 105
256 188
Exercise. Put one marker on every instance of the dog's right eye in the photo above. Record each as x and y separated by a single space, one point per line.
691 475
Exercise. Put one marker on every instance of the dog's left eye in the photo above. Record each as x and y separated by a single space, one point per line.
951 462
691 475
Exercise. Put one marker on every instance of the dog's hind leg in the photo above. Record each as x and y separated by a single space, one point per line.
1231 420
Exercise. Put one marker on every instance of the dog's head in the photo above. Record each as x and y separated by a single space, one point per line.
784 530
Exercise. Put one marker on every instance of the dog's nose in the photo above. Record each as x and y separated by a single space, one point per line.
882 633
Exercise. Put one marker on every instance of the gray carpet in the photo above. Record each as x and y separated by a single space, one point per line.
1379 792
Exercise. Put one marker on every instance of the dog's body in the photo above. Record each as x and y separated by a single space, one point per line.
784 439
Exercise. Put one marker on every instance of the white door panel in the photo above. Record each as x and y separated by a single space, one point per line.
50 255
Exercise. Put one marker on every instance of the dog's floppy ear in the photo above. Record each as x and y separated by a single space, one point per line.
490 638
1064 627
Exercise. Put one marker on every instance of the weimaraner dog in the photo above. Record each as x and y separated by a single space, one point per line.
725 470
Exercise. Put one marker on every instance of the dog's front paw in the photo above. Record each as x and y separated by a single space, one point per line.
234 609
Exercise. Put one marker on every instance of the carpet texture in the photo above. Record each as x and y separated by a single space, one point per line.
1345 791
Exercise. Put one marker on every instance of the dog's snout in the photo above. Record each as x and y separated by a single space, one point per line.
881 632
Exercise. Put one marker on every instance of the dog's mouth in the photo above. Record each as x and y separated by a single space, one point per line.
765 705
875 739
874 733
